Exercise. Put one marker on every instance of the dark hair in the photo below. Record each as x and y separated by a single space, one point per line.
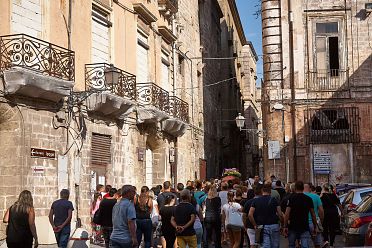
238 193
180 186
126 189
112 192
312 188
224 186
118 192
156 190
257 189
318 189
198 184
266 188
64 194
166 185
99 187
299 185
230 196
159 186
168 199
230 184
278 183
107 188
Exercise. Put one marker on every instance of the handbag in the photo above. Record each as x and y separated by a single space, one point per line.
158 232
97 217
235 218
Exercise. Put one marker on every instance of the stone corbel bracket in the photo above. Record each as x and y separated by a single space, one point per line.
174 127
110 105
25 82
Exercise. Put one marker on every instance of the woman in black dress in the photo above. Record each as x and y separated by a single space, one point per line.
166 213
212 217
331 221
20 217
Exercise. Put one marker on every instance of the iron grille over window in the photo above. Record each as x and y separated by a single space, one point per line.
333 125
101 149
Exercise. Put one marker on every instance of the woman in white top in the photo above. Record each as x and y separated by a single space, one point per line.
232 217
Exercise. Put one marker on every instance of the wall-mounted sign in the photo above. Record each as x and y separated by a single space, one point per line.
42 153
141 153
38 169
322 163
273 149
172 155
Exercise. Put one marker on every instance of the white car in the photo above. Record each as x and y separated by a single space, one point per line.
354 197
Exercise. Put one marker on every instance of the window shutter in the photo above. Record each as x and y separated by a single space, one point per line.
321 54
142 59
101 149
100 37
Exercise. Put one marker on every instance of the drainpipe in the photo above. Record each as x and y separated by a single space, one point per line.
174 26
293 91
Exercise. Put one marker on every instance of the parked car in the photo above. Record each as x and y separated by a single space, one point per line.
357 223
368 239
346 187
354 197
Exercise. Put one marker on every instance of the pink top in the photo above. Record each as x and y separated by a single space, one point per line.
96 207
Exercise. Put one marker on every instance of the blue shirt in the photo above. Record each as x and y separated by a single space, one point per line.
60 211
316 202
122 212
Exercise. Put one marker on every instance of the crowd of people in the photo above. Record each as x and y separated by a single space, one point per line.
199 214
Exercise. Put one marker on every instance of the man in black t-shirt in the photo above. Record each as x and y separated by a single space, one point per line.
105 214
250 228
162 196
183 220
265 211
296 219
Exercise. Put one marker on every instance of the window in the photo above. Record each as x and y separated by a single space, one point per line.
165 84
181 65
334 126
327 48
100 36
142 58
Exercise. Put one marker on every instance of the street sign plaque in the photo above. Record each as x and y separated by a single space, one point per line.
43 153
273 149
322 163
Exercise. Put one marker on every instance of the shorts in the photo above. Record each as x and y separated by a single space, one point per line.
252 236
317 240
233 228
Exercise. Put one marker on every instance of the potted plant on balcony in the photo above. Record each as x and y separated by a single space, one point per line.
231 174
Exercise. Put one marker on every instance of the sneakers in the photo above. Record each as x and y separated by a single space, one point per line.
326 244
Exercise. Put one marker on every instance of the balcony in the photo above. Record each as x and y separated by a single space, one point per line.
168 6
36 68
108 78
178 109
328 80
152 94
113 90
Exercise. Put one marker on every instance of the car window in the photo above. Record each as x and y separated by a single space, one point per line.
365 194
349 198
365 206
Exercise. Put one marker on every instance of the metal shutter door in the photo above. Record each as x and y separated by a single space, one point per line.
100 39
101 149
26 17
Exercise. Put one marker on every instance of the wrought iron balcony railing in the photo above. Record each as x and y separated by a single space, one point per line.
152 94
178 108
171 5
25 51
328 80
106 77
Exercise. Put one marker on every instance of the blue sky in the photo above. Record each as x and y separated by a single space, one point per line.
252 28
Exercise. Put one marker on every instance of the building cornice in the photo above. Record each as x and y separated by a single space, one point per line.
237 21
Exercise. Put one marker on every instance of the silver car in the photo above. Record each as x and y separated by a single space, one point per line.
354 197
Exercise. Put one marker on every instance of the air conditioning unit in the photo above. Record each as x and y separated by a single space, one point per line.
368 7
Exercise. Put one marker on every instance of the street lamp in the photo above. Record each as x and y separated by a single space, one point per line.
112 75
240 121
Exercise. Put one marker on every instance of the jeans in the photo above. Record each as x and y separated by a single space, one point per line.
63 236
305 238
199 236
271 236
106 231
144 226
213 227
116 244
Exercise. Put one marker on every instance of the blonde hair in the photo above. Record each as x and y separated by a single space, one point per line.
24 203
212 193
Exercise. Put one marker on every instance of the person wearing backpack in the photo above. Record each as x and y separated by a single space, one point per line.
163 195
143 205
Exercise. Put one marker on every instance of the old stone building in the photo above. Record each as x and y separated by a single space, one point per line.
96 92
223 81
106 92
317 91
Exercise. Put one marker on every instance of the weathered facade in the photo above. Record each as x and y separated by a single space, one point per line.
96 92
317 91
223 83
